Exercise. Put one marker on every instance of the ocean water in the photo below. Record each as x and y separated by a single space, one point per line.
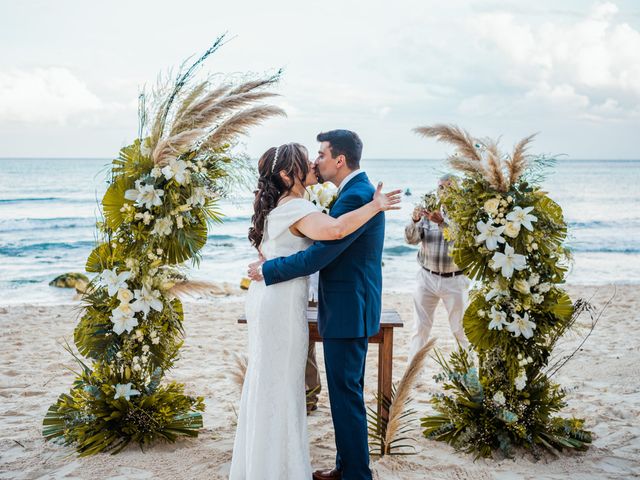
48 209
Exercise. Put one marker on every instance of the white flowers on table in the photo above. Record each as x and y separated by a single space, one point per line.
499 398
508 261
522 216
163 226
498 319
125 391
147 299
114 281
176 169
489 234
521 326
146 196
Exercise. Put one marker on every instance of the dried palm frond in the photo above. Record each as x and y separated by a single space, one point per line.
239 370
494 175
518 161
195 287
402 396
239 124
465 165
211 108
256 84
465 143
188 100
172 147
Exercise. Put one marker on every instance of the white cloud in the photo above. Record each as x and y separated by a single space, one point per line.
45 95
587 65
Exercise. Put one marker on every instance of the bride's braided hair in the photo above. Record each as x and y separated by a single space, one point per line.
293 161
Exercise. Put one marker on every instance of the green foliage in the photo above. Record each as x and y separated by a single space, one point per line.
513 321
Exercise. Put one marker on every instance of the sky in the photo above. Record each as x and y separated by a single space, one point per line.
70 71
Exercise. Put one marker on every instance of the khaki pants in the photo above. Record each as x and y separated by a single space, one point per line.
431 288
312 377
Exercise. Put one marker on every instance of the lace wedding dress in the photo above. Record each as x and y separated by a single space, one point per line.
271 437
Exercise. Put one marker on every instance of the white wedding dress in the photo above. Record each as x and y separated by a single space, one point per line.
271 437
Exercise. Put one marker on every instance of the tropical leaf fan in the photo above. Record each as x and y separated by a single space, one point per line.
162 197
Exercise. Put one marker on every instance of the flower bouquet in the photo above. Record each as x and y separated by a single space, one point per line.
507 234
162 196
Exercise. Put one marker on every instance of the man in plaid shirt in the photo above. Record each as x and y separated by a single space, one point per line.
438 279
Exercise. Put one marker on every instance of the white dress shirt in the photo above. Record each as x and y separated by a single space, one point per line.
346 179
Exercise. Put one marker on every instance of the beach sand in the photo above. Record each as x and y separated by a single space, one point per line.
603 380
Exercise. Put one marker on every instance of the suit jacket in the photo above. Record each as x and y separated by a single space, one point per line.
350 285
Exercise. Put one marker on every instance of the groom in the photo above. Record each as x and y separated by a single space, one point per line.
349 304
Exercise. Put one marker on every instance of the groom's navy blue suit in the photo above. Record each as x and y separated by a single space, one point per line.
349 310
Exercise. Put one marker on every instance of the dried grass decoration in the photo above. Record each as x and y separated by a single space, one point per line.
162 197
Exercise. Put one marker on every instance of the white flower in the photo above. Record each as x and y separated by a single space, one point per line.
522 216
145 195
326 195
145 348
121 321
176 169
512 229
499 398
534 279
156 172
125 295
125 391
162 226
114 281
508 261
491 206
155 340
537 298
489 234
179 221
498 319
543 287
198 196
521 380
521 326
146 298
146 217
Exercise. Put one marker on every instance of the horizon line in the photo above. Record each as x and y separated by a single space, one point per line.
559 158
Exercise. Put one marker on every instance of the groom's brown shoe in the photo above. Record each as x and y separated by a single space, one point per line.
327 474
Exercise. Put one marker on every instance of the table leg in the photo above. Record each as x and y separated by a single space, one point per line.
385 372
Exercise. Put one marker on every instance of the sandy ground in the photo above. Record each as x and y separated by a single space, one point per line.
604 379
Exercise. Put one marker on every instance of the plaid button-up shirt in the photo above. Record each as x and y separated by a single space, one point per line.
434 249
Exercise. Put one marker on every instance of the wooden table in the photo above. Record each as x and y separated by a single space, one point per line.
384 338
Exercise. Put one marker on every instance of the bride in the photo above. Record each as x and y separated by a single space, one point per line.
271 436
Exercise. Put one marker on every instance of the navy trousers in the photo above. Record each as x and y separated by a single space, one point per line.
345 360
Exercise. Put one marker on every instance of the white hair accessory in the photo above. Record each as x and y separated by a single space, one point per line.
275 160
